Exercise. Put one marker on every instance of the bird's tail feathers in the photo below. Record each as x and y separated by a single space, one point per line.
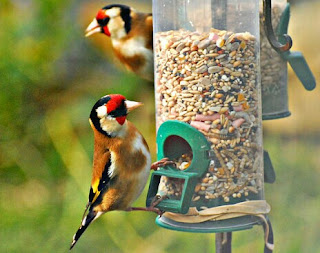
85 211
86 221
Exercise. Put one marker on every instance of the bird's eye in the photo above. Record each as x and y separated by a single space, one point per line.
103 22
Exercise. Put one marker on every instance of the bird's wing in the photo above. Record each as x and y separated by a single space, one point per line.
100 182
101 177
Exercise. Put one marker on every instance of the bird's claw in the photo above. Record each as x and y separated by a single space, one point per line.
157 199
161 163
160 213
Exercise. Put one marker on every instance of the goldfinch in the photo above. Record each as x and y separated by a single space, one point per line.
131 36
121 161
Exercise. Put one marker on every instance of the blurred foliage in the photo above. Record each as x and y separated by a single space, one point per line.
51 76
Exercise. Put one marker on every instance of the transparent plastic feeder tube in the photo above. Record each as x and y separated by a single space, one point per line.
207 74
274 70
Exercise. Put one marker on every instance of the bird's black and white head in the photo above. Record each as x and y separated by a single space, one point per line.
113 20
108 115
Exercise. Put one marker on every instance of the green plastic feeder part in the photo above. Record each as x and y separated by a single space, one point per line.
175 138
221 226
299 66
296 60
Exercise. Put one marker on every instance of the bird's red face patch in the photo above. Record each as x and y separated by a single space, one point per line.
103 20
115 102
121 119
101 15
106 31
116 107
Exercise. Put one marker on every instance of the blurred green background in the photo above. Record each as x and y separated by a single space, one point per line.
50 77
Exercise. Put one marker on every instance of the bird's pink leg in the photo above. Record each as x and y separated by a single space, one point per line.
157 199
147 209
161 163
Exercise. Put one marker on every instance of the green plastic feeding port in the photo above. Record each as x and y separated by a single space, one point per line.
175 139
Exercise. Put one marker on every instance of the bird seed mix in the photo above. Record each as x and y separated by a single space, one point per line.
209 81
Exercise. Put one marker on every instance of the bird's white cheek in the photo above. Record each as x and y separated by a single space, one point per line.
116 28
101 111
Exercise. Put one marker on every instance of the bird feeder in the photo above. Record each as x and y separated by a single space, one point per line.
208 115
274 59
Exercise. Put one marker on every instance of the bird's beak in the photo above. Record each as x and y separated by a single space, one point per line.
131 105
94 27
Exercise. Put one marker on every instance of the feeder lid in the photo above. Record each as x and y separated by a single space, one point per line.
295 59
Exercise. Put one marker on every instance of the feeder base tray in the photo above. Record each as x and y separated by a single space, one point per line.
229 225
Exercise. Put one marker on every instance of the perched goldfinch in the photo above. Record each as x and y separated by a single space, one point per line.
121 161
131 36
